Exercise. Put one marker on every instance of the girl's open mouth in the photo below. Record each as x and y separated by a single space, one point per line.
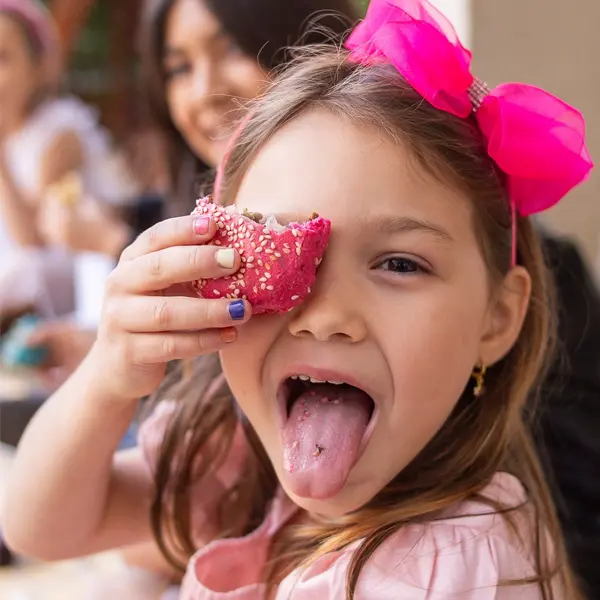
325 428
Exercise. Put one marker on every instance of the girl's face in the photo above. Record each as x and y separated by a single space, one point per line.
403 306
207 77
19 75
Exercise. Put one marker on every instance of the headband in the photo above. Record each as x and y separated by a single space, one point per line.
35 19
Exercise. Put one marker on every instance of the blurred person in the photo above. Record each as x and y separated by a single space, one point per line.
43 138
569 409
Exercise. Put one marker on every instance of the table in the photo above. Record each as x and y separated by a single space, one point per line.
17 385
99 577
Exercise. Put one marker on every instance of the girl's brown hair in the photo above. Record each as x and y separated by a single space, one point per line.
481 437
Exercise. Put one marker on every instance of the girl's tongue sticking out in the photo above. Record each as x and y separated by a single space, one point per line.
322 436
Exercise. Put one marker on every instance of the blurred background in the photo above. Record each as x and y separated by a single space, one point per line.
551 43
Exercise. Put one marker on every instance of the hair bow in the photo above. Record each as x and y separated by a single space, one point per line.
536 139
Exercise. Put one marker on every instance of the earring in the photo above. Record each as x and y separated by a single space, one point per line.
479 377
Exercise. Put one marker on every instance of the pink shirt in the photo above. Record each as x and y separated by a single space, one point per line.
459 557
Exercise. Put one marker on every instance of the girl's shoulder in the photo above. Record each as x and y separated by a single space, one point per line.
466 553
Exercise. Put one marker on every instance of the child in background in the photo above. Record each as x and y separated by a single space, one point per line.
43 138
431 306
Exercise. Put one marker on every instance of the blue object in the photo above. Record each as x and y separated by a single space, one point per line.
15 351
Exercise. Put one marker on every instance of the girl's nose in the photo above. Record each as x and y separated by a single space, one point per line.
330 314
207 81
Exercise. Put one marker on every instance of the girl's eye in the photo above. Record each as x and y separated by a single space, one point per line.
402 265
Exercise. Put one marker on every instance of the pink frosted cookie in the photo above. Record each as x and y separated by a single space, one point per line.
279 262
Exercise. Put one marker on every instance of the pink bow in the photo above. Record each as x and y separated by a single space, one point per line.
535 138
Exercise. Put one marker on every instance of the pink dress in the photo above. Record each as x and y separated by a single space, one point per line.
459 557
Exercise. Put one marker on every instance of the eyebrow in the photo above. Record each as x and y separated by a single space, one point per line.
170 51
384 225
392 225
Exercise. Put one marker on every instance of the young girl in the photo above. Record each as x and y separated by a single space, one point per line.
43 137
431 306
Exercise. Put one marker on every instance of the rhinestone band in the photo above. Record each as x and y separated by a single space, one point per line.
477 91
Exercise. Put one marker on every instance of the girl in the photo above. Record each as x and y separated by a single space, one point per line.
432 293
42 139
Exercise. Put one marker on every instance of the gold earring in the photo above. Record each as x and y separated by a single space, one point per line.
479 377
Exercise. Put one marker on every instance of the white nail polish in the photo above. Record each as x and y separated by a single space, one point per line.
226 258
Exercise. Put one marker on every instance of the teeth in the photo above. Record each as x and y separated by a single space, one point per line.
313 380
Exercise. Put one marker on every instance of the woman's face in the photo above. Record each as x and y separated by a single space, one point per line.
19 74
207 78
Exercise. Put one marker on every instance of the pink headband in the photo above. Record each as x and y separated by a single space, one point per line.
536 139
35 18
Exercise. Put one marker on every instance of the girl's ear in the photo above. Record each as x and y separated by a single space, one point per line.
505 316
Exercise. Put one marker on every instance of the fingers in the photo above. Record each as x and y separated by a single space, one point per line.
179 264
151 349
180 231
148 314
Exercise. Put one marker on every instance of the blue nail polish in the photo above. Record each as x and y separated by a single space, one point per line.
237 310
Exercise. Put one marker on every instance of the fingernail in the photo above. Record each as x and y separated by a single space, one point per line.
237 310
228 335
226 258
201 225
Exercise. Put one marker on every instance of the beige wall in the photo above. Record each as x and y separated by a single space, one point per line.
554 44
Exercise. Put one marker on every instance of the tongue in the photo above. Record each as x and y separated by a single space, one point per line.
321 439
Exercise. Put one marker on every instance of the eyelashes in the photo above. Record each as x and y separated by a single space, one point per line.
403 265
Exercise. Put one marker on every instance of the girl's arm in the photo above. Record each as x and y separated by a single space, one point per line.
19 212
71 495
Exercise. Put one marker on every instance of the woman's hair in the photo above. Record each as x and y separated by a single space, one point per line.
482 435
263 29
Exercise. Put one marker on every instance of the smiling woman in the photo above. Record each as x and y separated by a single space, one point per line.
205 59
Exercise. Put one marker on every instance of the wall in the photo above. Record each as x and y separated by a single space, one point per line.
553 44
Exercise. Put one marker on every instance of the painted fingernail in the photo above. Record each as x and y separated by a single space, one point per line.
228 335
226 258
237 310
201 225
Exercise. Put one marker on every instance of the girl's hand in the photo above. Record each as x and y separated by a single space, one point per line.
151 315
